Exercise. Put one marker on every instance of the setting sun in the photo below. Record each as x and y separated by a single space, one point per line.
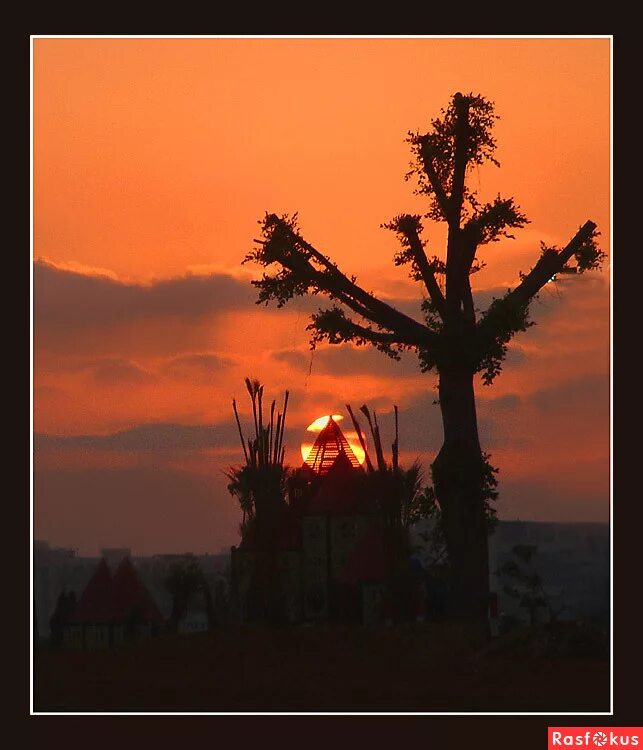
321 422
318 425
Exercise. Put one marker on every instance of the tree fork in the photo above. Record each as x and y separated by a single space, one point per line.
451 339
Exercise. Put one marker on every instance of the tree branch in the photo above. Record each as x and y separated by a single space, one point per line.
379 312
460 158
494 220
457 255
510 314
284 245
428 277
408 227
427 163
550 263
334 325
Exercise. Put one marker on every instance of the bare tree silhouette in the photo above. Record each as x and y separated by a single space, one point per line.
454 339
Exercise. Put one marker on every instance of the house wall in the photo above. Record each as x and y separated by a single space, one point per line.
292 584
372 604
195 618
328 543
73 637
344 532
118 635
96 637
315 564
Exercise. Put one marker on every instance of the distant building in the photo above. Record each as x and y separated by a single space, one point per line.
114 555
56 570
195 619
112 610
572 559
60 571
335 556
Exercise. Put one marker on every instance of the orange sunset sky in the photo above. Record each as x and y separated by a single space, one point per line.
153 161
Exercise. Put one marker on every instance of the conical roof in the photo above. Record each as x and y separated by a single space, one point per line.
330 445
129 596
95 604
113 599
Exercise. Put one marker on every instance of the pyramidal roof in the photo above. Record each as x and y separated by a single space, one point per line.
331 447
129 595
113 599
95 604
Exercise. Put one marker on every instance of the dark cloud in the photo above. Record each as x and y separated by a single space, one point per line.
71 300
497 420
588 394
515 355
565 291
420 423
484 297
345 359
293 357
410 307
509 420
47 392
576 406
105 371
119 372
154 437
196 368
568 291
507 402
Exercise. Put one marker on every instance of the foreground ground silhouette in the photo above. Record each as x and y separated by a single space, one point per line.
419 667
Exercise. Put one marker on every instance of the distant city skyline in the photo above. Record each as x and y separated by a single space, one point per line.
102 551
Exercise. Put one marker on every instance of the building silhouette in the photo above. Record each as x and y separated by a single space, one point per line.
112 610
335 558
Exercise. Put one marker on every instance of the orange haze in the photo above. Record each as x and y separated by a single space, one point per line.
153 161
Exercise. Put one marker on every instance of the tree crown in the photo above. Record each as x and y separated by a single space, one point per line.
452 333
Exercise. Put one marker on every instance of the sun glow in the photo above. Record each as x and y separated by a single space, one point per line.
318 425
321 422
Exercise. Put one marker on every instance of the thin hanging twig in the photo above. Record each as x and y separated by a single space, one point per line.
260 436
283 423
395 448
381 463
243 444
275 455
362 442
271 432
378 438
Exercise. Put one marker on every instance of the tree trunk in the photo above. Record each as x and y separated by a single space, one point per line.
458 482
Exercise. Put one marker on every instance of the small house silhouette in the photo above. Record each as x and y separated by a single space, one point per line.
112 610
